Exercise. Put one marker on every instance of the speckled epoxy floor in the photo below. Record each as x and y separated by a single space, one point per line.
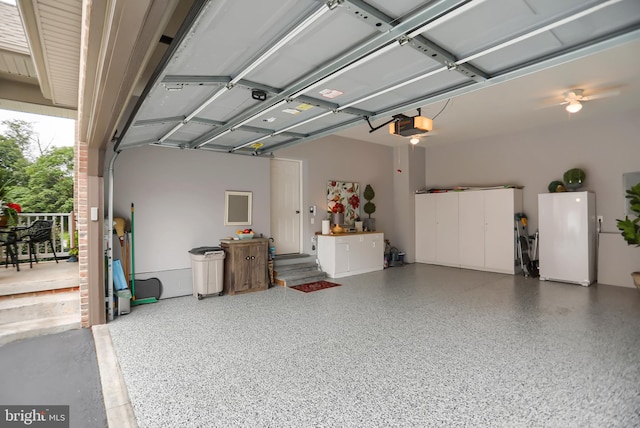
414 346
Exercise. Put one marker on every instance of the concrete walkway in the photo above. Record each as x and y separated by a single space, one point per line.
77 368
59 369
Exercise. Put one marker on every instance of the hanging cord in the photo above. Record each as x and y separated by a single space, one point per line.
444 107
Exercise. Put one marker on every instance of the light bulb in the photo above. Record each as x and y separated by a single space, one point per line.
414 140
573 107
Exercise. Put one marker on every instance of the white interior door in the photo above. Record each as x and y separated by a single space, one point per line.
285 205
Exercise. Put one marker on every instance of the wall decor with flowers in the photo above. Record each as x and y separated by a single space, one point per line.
344 197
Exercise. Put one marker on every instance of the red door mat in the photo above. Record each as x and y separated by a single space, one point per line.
315 286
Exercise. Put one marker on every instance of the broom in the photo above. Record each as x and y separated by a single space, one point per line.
135 302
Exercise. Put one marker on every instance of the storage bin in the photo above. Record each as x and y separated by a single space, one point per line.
207 266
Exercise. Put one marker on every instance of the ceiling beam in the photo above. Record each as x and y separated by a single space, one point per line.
383 23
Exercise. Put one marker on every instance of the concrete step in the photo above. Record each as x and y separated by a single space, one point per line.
43 276
290 259
301 267
296 278
33 307
40 327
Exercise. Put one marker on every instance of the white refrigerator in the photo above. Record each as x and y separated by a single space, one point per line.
567 247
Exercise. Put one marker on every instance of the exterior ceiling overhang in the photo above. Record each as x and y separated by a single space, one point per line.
39 56
253 77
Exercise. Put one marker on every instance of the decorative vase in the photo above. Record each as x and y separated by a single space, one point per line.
337 218
326 227
337 229
636 279
370 224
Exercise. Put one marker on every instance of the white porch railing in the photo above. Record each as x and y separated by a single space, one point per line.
63 234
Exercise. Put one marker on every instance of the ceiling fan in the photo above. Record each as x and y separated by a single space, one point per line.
574 98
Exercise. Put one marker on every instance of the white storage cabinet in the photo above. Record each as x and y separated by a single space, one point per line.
487 229
471 229
351 254
437 229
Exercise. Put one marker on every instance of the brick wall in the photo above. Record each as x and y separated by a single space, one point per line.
80 198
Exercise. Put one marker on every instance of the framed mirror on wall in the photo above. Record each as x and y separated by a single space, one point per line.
237 208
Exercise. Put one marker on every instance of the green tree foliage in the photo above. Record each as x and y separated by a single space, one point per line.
43 184
12 164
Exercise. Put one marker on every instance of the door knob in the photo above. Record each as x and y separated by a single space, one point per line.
297 211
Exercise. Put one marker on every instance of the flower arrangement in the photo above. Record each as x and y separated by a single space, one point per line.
343 198
10 211
337 208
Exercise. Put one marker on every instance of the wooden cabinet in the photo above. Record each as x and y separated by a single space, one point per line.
351 254
472 229
245 266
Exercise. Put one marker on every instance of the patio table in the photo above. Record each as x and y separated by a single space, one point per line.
9 241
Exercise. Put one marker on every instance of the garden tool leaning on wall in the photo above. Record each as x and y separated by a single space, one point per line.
119 225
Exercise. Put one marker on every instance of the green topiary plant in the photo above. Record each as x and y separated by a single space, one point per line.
630 228
369 194
369 208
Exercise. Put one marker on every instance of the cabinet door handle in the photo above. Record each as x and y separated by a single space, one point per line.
253 257
247 258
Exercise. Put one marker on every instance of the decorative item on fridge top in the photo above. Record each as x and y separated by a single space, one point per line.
630 229
574 178
556 186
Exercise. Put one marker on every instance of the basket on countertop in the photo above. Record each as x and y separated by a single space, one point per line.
244 236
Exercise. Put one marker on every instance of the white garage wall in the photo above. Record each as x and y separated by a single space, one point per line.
179 205
344 159
605 149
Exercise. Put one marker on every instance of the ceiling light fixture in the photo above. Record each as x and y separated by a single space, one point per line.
574 106
414 140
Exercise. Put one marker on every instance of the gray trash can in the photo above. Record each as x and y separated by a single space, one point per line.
207 267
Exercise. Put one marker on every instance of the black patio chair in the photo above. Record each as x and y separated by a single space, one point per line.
8 242
39 232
